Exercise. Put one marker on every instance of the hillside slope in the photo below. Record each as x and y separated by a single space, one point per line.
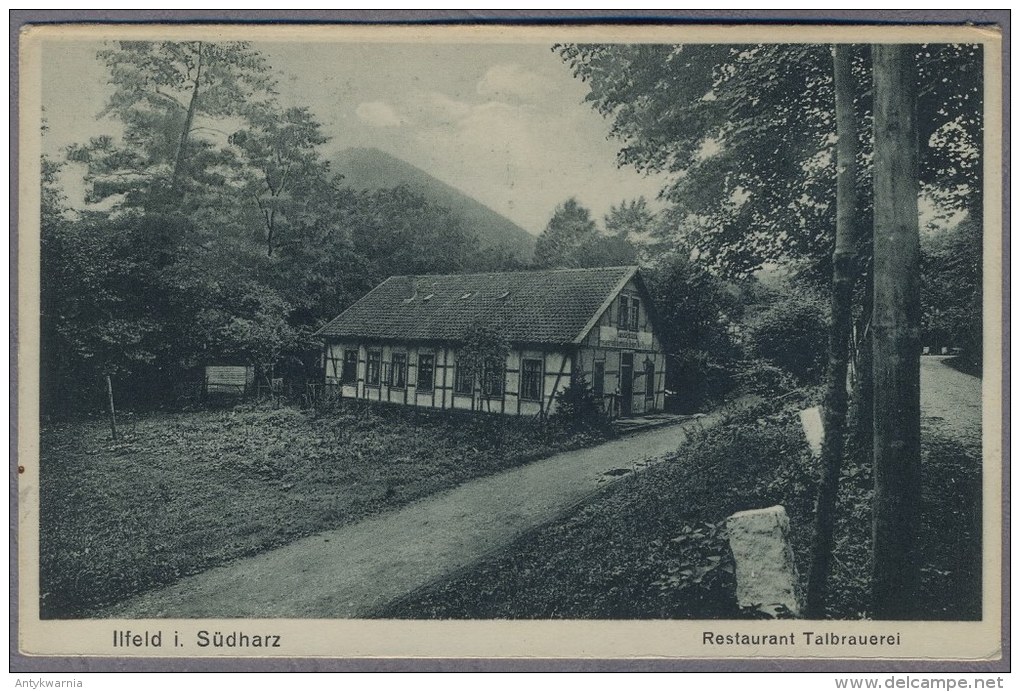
367 169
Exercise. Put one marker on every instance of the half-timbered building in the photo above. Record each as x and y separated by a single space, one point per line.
400 343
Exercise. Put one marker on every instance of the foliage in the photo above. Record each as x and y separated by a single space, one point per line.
283 175
951 296
950 536
699 378
630 219
247 323
89 272
184 492
214 230
698 558
569 229
748 134
483 354
696 311
791 333
398 231
578 409
763 378
571 239
170 97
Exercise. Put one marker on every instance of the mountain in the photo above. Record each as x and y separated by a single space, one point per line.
368 169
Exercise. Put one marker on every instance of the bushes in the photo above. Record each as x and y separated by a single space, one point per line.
764 379
792 334
700 379
577 408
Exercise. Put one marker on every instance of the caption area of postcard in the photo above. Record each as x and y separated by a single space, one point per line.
201 639
804 638
977 640
239 639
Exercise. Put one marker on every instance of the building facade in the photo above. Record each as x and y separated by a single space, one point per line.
403 343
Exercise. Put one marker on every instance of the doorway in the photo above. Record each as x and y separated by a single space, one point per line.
626 383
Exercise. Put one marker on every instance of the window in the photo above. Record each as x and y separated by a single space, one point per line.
464 380
493 375
628 314
373 368
649 379
350 371
623 314
426 372
399 368
598 384
531 379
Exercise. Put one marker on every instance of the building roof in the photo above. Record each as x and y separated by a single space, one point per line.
558 306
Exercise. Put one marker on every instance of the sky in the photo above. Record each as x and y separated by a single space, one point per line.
504 123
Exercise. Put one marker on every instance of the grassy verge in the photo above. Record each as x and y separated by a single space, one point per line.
650 546
185 492
950 536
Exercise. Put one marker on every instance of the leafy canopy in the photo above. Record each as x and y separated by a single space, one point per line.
747 133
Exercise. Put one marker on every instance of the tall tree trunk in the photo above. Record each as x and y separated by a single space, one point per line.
843 260
896 329
189 119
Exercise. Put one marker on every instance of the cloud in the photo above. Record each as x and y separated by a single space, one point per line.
378 114
511 82
436 108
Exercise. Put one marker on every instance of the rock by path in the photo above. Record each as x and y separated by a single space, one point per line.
347 572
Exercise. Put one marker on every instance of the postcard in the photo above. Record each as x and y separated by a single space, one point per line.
673 342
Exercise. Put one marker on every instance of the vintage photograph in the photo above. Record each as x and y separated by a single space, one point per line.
427 326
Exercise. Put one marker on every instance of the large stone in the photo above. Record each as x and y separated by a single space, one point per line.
765 570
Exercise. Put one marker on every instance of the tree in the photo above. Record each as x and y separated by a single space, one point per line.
568 231
896 324
748 133
572 240
695 310
399 231
95 323
170 97
844 253
247 321
632 220
791 332
951 295
282 173
148 266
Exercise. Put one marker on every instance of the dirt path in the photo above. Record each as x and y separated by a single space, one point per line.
952 400
349 571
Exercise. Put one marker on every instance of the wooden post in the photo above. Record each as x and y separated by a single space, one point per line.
113 411
844 249
896 329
